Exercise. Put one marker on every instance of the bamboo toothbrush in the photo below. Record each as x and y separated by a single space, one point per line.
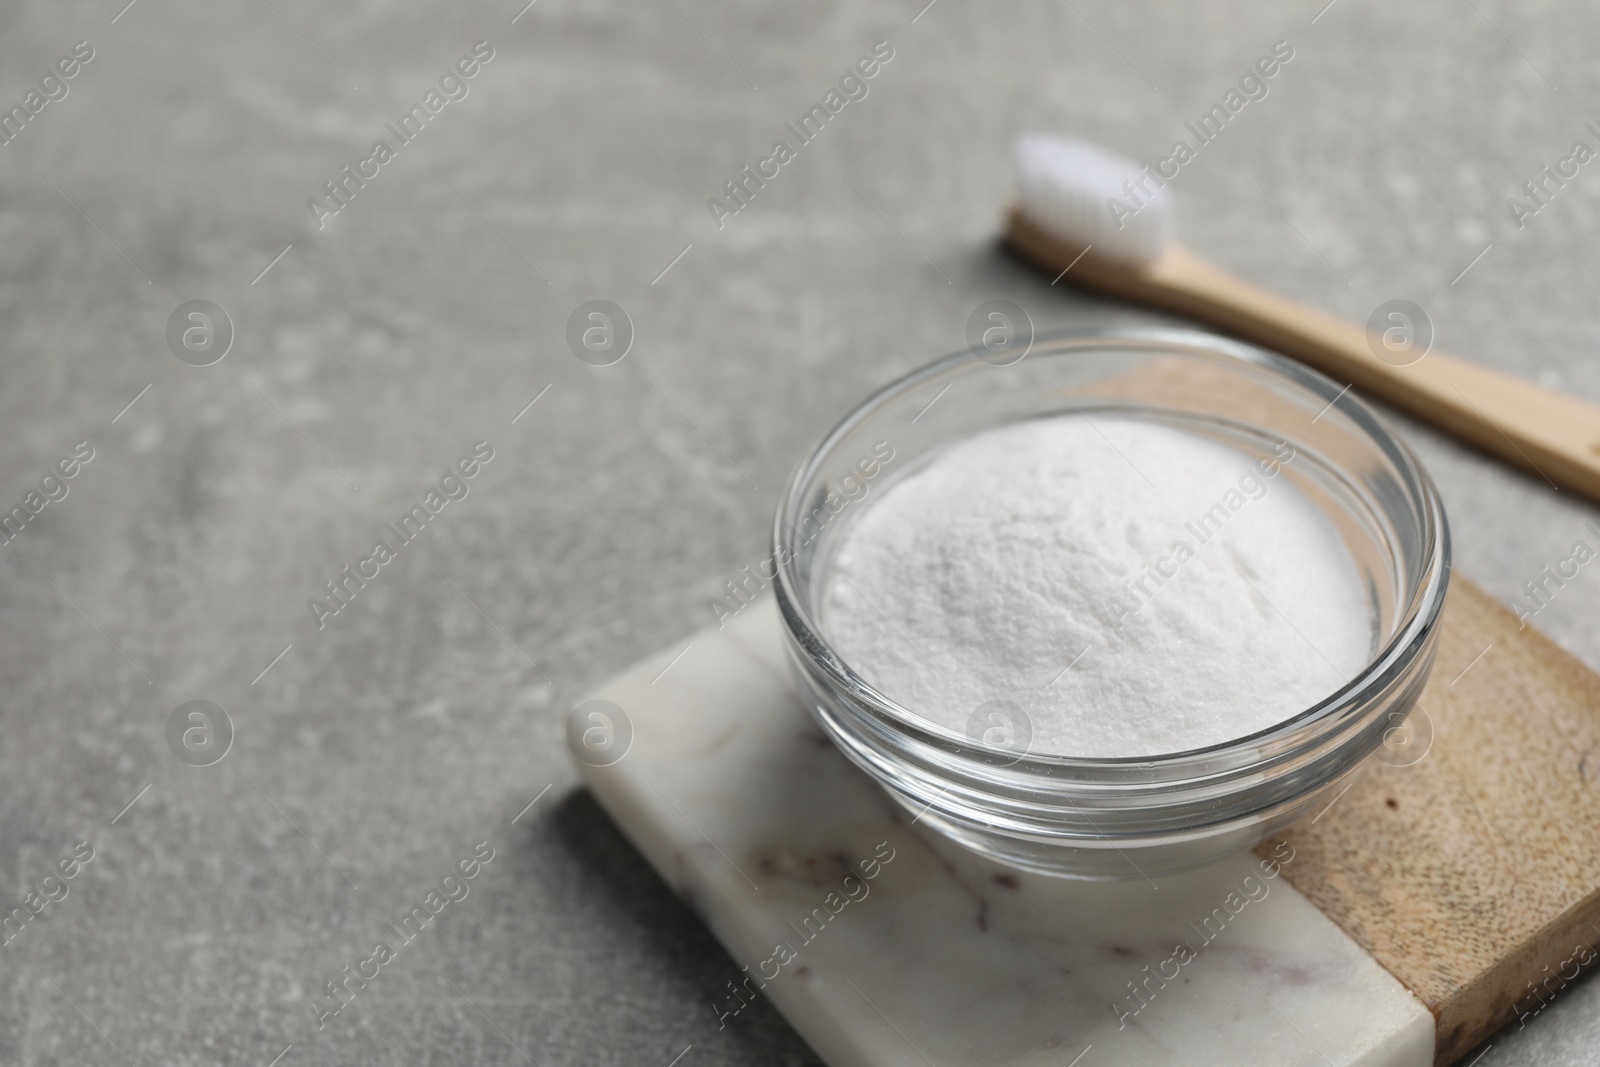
1064 222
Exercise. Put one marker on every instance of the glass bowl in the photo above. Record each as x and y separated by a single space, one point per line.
1162 813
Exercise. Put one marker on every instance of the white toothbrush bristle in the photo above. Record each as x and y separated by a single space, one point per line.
1086 195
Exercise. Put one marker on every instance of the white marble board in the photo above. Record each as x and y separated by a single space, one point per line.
735 796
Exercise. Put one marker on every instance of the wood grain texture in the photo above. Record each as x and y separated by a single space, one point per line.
1473 874
1552 436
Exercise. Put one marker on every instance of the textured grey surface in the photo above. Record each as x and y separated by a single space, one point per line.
378 751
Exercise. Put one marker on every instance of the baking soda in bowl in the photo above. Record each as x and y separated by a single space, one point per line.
1133 588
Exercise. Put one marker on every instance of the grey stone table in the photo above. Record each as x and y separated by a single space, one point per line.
374 749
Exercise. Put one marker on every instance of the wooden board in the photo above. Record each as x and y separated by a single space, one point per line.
1473 874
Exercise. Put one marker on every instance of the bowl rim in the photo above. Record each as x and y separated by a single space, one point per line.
1301 731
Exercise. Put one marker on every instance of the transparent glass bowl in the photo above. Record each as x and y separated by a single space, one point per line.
1122 818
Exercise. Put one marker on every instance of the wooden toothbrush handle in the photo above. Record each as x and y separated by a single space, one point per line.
1551 435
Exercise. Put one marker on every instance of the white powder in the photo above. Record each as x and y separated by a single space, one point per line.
1018 551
